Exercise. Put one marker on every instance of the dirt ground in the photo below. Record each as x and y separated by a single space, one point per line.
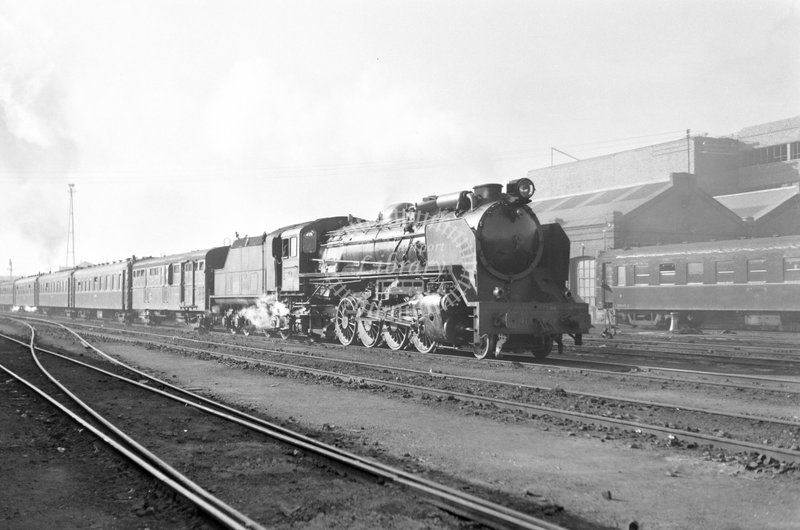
658 489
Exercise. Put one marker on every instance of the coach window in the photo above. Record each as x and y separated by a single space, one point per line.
791 269
694 272
201 266
608 274
724 272
666 274
641 276
757 271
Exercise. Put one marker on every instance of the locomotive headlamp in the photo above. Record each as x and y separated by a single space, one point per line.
522 188
498 292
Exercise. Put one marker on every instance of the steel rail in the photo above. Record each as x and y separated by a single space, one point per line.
509 359
441 375
637 367
694 354
130 449
449 499
641 367
496 382
725 443
702 341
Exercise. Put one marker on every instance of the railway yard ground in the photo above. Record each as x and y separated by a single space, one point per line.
510 430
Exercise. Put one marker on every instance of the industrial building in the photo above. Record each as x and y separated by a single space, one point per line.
699 188
755 158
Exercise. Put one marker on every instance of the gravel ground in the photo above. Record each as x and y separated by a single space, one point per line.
594 477
274 484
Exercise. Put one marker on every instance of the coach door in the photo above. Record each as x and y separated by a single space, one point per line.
187 287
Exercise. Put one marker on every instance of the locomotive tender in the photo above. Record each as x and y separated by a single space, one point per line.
745 283
474 267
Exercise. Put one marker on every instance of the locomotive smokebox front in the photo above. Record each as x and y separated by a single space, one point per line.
509 238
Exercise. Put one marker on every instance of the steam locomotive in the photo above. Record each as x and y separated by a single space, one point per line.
474 267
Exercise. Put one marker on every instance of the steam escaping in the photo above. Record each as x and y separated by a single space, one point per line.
267 314
25 309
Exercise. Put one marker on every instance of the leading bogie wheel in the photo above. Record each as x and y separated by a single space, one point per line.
346 320
487 346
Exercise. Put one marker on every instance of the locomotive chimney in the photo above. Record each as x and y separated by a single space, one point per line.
489 192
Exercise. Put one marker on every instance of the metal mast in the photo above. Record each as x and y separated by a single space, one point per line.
71 232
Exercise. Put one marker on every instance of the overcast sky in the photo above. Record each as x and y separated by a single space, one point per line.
182 122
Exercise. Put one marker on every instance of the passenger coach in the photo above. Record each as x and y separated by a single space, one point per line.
178 284
748 283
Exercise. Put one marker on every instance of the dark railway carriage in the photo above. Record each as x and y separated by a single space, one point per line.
56 293
101 290
748 283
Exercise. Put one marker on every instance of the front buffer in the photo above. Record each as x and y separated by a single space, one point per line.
526 326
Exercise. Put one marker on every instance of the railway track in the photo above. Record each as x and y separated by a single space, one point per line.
700 347
564 361
130 449
603 411
450 499
782 385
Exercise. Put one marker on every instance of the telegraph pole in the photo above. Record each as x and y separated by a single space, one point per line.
71 231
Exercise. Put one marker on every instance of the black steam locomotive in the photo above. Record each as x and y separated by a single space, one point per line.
467 268
471 267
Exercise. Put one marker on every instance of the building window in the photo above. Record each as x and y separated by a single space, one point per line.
586 281
724 272
622 277
757 270
794 150
694 272
641 275
791 269
767 155
666 274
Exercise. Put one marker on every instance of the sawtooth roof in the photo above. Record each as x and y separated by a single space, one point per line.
757 204
596 207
